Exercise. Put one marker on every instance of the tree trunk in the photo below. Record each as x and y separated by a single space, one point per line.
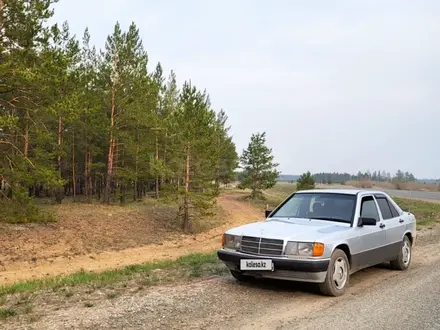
122 194
86 173
26 136
157 158
1 14
162 179
60 141
89 182
186 222
111 148
135 184
59 192
98 186
73 166
87 176
110 158
108 181
122 185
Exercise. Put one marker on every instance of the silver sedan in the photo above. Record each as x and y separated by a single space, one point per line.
322 236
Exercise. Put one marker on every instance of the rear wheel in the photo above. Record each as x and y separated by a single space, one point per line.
240 277
338 275
403 259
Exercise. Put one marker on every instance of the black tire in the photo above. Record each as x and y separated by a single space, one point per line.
403 259
240 277
330 286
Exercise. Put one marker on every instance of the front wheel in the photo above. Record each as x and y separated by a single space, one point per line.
338 275
403 259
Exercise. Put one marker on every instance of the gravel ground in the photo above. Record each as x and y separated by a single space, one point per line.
410 303
379 297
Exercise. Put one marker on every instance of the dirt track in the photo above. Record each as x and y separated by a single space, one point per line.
395 300
237 213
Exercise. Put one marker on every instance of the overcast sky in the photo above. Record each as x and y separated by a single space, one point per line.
337 85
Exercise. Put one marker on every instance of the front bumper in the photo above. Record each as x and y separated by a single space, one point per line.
285 269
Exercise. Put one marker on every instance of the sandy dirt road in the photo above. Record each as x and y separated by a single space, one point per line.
377 298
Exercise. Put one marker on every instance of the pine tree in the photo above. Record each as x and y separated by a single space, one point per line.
92 122
158 89
197 152
60 61
25 139
305 181
259 170
226 154
124 67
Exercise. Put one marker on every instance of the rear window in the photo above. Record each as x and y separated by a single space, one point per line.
387 208
384 208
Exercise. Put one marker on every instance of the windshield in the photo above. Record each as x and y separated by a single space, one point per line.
325 206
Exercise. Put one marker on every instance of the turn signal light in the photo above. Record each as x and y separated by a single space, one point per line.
318 249
223 240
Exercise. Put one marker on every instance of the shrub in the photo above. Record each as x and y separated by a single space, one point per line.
306 181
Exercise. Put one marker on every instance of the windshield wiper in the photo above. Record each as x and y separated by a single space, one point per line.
331 219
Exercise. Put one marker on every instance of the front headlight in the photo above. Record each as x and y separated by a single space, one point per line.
304 249
291 249
232 242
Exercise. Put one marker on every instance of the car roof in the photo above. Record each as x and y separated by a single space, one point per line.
342 191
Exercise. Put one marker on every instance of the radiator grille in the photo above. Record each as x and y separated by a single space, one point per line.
261 246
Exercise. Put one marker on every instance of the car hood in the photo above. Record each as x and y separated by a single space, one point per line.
291 229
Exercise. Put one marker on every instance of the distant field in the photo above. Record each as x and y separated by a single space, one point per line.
432 187
419 186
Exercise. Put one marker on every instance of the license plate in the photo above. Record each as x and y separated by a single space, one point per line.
256 264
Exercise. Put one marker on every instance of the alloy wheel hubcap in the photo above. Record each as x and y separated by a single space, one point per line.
340 273
406 253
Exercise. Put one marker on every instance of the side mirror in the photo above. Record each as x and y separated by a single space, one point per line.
366 222
267 213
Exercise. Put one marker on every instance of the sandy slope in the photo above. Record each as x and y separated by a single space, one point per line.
238 212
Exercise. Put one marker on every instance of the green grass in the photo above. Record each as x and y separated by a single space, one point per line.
27 211
189 266
426 213
7 312
278 193
272 196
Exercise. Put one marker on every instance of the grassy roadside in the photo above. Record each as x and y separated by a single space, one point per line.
426 213
21 298
192 265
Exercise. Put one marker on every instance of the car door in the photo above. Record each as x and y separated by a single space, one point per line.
394 226
367 247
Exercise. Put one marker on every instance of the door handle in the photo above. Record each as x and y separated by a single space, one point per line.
401 220
382 225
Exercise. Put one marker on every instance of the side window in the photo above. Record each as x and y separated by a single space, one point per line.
384 208
393 210
368 208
